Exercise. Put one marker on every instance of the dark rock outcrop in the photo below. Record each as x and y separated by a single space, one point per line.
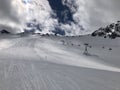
4 32
112 31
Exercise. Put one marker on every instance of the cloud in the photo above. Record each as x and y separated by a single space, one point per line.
97 13
43 13
6 10
80 17
91 15
11 14
49 19
87 15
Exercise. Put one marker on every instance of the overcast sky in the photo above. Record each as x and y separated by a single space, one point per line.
102 12
91 14
11 16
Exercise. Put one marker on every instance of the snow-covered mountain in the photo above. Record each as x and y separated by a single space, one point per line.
40 59
111 31
48 62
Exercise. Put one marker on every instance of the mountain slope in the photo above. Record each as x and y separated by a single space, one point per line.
37 62
112 31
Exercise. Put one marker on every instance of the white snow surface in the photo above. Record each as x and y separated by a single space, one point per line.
44 63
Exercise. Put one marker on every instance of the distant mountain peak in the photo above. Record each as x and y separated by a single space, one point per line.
112 31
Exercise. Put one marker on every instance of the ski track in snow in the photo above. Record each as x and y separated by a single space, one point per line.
30 79
19 70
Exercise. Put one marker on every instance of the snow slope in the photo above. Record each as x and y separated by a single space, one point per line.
45 63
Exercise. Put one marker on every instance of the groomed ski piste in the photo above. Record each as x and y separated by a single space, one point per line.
37 62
